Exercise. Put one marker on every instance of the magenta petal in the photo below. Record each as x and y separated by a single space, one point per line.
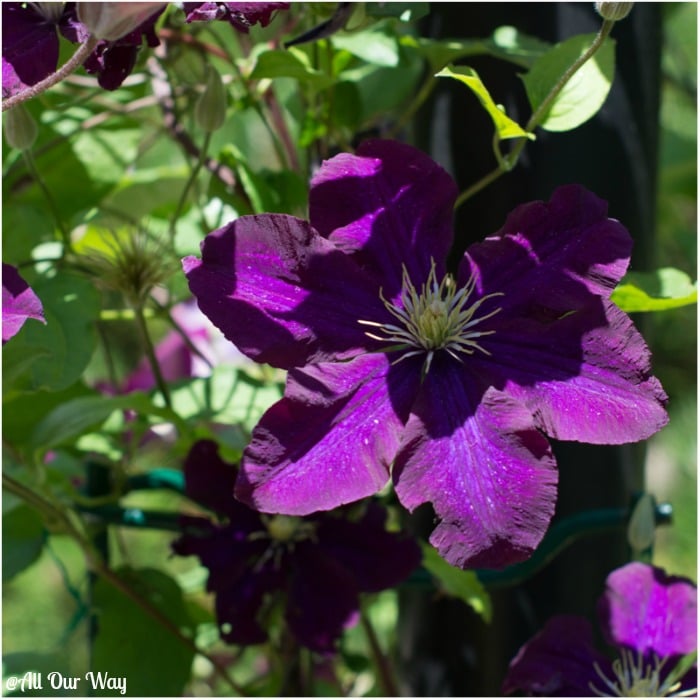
19 303
387 205
645 609
331 439
281 293
587 380
558 661
488 472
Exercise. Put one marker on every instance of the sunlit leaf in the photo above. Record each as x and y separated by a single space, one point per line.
584 93
506 128
457 583
666 288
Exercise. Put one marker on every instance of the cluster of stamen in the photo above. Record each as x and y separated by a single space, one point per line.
283 532
439 317
635 676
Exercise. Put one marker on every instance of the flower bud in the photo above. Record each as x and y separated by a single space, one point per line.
112 20
642 524
210 110
613 11
20 128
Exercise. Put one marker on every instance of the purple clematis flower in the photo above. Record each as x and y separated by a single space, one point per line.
452 380
649 618
241 15
19 303
322 563
30 45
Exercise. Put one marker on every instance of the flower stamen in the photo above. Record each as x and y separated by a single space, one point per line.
439 317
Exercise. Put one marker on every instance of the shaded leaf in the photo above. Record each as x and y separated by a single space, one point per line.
292 63
23 537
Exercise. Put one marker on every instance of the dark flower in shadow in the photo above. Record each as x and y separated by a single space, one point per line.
650 620
447 384
315 567
241 15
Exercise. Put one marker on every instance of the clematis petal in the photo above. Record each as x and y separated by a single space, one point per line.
558 661
645 609
480 461
19 303
374 558
281 293
332 437
241 15
322 599
387 206
549 257
29 42
585 377
209 480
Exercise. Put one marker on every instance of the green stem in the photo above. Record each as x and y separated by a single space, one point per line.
151 353
510 161
423 94
84 50
201 159
65 235
384 671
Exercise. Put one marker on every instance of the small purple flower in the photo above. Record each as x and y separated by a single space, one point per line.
446 384
647 616
322 563
241 15
19 303
30 45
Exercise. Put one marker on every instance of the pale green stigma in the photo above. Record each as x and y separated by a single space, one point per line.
439 317
635 677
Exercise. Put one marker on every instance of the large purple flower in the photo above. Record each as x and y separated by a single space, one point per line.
30 45
322 563
452 380
647 616
19 302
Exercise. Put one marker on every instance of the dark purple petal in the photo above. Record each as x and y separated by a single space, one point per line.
19 303
281 293
585 377
480 461
550 256
29 42
646 610
209 480
241 15
387 206
558 661
331 439
374 558
321 599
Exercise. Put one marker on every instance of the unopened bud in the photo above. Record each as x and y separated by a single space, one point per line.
642 524
613 11
210 110
113 20
20 128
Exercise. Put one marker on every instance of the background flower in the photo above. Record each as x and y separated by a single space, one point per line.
452 381
315 566
647 616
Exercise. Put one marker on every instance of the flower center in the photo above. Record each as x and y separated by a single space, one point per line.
439 317
637 677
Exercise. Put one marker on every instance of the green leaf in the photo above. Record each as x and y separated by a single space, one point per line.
291 63
131 644
584 93
666 288
60 349
23 537
458 583
376 45
79 416
405 11
506 128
